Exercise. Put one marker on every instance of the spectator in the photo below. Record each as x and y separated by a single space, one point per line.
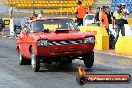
109 15
119 22
80 13
125 12
33 16
103 19
96 18
89 10
40 16
42 13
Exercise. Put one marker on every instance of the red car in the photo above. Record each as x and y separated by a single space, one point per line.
48 40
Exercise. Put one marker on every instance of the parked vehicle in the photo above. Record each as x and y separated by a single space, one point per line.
89 19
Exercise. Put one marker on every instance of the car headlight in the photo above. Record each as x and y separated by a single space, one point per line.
42 43
89 40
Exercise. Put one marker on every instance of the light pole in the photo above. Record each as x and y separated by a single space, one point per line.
12 33
33 6
61 8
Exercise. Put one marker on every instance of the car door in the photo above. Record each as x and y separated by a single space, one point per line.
28 38
23 42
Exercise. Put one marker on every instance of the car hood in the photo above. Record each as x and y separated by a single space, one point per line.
60 36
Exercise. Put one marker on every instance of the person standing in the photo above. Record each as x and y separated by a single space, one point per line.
33 16
125 12
111 35
119 22
103 20
42 12
40 15
89 10
109 15
96 18
80 13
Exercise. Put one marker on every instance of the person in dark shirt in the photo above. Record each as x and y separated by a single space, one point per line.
108 13
96 18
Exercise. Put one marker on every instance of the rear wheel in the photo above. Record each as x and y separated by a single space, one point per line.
35 61
23 61
89 60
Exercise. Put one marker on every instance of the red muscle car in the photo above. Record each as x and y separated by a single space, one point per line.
48 40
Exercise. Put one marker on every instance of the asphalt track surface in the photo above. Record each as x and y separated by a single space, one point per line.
12 75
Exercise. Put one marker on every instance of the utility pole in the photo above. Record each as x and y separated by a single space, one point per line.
12 33
33 6
61 8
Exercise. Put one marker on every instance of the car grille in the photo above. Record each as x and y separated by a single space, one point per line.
65 42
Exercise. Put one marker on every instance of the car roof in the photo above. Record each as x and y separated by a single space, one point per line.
53 18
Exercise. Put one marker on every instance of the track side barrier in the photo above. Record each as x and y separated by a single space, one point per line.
102 38
6 21
124 45
130 21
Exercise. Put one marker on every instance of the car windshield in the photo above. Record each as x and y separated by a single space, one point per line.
53 24
89 17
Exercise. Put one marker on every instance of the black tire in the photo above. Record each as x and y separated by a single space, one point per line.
81 80
23 61
89 60
69 62
35 61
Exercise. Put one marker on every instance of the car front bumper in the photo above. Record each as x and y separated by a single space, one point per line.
64 50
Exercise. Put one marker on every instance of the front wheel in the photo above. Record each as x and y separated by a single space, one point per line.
89 60
23 61
35 61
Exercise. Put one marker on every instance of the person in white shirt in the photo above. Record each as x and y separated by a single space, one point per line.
126 13
40 16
